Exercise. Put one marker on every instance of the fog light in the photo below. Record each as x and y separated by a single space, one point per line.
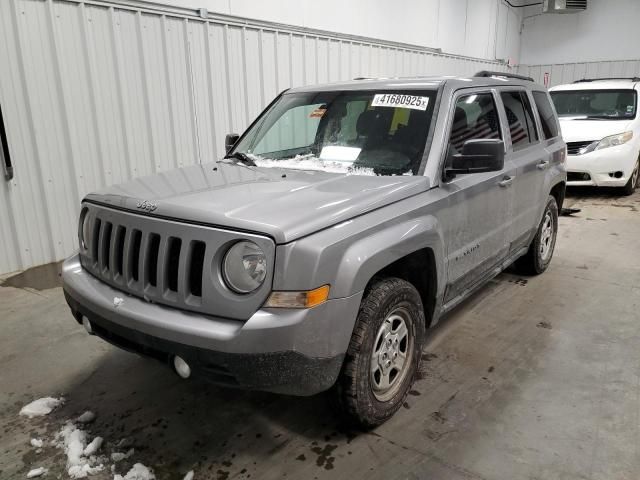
87 325
182 368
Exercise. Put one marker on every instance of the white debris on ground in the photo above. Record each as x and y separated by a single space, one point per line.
137 472
119 456
37 472
93 447
74 443
188 476
117 301
36 442
41 406
82 456
86 417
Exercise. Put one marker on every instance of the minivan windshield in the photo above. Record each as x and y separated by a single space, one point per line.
352 132
596 104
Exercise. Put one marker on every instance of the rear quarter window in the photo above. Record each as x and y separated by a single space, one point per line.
547 115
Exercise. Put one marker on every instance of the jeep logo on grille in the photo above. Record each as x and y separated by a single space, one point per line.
147 206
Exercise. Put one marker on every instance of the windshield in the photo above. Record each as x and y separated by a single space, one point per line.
596 104
355 132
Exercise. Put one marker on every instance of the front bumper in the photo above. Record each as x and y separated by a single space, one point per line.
602 165
291 351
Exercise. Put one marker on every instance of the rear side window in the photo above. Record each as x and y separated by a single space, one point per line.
520 117
475 118
547 115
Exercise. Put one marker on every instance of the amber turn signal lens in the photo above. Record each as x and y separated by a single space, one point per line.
305 299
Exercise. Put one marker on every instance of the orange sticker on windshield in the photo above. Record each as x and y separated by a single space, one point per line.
317 113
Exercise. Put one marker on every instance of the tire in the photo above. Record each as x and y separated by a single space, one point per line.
361 392
540 252
631 185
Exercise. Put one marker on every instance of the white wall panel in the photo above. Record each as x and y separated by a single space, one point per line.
607 30
95 92
570 72
486 29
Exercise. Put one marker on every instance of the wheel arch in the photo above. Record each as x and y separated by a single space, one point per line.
419 269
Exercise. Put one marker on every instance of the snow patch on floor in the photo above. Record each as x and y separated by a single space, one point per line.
86 417
37 472
74 443
137 472
40 407
93 447
119 456
36 442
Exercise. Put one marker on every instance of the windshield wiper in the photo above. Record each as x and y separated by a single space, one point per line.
242 157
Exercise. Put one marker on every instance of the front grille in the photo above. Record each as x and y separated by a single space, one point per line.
120 254
166 262
573 148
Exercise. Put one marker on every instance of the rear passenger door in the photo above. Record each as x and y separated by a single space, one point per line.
529 157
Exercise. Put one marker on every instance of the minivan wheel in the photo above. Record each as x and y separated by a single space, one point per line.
540 252
383 354
631 185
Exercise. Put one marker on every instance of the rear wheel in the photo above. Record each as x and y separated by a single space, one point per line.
538 257
631 185
384 353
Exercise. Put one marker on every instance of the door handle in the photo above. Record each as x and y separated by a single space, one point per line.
543 165
506 181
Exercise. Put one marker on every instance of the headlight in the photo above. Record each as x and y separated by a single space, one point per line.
244 267
614 140
83 231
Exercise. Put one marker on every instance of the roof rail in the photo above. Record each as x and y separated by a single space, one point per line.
487 73
586 80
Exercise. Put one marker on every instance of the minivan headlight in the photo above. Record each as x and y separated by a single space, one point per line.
244 267
614 140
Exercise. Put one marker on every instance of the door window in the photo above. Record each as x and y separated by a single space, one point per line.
475 117
547 115
520 117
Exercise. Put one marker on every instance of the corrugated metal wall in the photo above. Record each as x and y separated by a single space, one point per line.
96 92
570 72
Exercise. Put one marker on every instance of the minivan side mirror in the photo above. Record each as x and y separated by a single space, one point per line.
230 140
478 156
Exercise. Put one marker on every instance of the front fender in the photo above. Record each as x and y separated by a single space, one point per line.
346 256
367 256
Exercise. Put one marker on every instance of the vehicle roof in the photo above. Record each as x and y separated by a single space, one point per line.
416 83
597 85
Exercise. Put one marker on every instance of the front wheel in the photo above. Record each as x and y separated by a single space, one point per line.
631 185
384 353
538 257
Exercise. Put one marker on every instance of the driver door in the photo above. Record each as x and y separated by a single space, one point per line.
479 213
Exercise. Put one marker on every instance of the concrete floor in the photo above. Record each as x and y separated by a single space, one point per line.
532 378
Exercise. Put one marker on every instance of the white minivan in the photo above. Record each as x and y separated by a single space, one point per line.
601 127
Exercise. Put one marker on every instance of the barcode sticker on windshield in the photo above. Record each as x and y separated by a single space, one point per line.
399 100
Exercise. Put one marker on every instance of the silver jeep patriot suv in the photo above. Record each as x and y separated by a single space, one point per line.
338 228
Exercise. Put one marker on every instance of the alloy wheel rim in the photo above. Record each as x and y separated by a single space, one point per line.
392 355
635 175
546 237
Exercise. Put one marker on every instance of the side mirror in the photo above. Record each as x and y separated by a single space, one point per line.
230 140
478 156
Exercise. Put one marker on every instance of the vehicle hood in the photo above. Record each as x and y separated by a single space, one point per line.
589 130
282 203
